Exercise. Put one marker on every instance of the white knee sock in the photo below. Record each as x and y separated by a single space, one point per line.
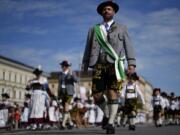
65 118
112 113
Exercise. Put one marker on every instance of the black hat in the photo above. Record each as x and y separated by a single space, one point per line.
28 95
172 94
133 76
5 95
107 3
65 63
157 89
38 71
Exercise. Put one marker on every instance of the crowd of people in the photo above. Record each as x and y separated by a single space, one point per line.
43 110
166 108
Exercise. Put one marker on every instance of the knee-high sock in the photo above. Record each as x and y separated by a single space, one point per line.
132 120
125 120
113 108
119 117
70 120
104 107
65 118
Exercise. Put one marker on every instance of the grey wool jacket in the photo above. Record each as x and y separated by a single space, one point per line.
68 81
120 41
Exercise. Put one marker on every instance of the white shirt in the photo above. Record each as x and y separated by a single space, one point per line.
109 24
157 100
137 93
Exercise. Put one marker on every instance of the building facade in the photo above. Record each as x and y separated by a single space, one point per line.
14 76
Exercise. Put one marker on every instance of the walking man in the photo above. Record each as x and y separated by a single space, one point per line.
108 44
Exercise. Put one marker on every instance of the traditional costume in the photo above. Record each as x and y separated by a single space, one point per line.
107 45
66 91
39 100
157 103
131 93
4 111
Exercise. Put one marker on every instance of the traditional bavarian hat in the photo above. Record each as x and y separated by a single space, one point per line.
65 63
38 70
107 3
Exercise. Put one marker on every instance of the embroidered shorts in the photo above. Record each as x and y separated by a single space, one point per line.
130 105
65 97
104 78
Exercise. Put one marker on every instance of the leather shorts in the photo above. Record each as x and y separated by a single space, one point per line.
104 78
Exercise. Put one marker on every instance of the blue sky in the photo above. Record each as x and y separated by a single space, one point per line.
48 31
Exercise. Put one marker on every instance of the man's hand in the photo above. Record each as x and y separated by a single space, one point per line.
131 69
84 68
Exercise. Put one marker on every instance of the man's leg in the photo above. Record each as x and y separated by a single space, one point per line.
113 108
98 89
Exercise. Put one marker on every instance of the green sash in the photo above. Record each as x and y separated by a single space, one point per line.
103 42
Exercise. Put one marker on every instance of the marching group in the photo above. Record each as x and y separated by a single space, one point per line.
43 110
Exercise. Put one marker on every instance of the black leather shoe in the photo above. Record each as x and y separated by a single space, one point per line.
132 127
110 129
62 128
70 127
105 123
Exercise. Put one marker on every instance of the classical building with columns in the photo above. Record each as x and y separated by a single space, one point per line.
14 76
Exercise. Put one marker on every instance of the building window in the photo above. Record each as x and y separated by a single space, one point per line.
14 94
20 95
9 76
3 75
15 78
20 78
2 90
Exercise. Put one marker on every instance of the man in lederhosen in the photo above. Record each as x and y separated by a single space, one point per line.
66 91
108 43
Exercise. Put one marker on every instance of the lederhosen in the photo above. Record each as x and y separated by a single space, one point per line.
66 98
104 76
130 103
166 110
157 107
172 111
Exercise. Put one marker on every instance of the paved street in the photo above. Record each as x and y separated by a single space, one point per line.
141 130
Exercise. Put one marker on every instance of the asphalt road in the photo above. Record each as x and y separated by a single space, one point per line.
141 130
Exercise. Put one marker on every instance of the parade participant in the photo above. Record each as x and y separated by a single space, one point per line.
25 115
66 90
17 117
77 107
91 113
130 94
53 113
99 115
165 107
39 100
107 45
177 105
172 108
4 110
43 81
157 103
27 98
